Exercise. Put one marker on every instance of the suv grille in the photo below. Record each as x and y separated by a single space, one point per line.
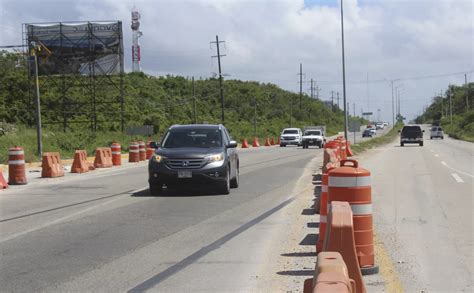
184 163
289 138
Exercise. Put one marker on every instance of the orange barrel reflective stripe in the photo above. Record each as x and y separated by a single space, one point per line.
149 150
141 150
323 212
16 166
352 184
133 153
116 154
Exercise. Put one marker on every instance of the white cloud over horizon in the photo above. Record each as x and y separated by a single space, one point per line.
266 40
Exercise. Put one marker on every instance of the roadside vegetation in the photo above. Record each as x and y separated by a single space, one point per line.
377 141
148 100
438 113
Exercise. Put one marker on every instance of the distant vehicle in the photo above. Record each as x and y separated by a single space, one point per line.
385 124
411 134
313 135
372 129
436 131
195 154
367 133
379 125
291 136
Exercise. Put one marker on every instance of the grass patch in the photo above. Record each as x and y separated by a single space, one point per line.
380 140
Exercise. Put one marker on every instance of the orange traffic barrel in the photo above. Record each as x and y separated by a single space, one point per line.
141 150
133 153
335 145
352 184
116 154
149 150
342 147
16 166
323 210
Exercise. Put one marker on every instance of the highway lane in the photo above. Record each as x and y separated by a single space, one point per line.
423 214
85 233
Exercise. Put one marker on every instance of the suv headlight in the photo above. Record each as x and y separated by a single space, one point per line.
215 158
159 158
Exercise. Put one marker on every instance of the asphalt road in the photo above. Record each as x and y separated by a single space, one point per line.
423 210
103 232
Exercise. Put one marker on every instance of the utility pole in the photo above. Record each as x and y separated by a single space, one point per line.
220 75
317 91
354 107
312 89
343 72
194 103
393 108
291 110
338 100
332 101
451 105
467 92
39 134
442 110
301 85
255 116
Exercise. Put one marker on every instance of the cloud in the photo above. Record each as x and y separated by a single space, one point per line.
266 40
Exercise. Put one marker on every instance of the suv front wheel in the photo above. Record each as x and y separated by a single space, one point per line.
225 186
234 183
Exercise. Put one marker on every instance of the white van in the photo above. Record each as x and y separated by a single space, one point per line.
436 131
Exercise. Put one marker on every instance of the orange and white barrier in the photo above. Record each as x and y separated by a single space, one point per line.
3 182
352 184
51 165
245 144
323 209
255 142
16 166
133 153
267 142
141 150
149 150
116 154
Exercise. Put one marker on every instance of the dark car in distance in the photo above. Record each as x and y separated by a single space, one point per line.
195 155
411 134
367 133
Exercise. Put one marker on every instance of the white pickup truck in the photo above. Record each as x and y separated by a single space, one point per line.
313 135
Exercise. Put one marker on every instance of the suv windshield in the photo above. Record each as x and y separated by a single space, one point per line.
290 131
192 137
312 132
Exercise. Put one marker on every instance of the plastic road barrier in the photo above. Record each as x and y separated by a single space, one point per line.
116 154
133 151
16 166
80 164
352 184
103 158
51 165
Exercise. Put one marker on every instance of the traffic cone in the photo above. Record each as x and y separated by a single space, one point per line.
255 143
273 141
267 142
245 144
279 142
3 182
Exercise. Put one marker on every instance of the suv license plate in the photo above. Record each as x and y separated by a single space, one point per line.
185 174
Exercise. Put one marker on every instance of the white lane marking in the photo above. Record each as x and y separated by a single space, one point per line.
459 171
432 151
436 155
457 178
57 221
139 189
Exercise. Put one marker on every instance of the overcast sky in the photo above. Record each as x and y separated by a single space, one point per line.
265 40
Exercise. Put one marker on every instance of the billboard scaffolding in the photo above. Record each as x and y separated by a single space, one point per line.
80 67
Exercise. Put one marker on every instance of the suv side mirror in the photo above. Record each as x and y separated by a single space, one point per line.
232 144
154 145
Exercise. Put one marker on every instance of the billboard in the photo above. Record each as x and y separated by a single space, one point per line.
87 48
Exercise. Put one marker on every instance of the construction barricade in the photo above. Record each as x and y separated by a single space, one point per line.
16 166
342 147
149 150
133 153
51 165
330 275
323 211
80 164
255 142
349 151
141 150
245 144
103 158
3 182
352 184
340 237
116 154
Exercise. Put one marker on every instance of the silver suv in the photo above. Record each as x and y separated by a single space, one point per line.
291 136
